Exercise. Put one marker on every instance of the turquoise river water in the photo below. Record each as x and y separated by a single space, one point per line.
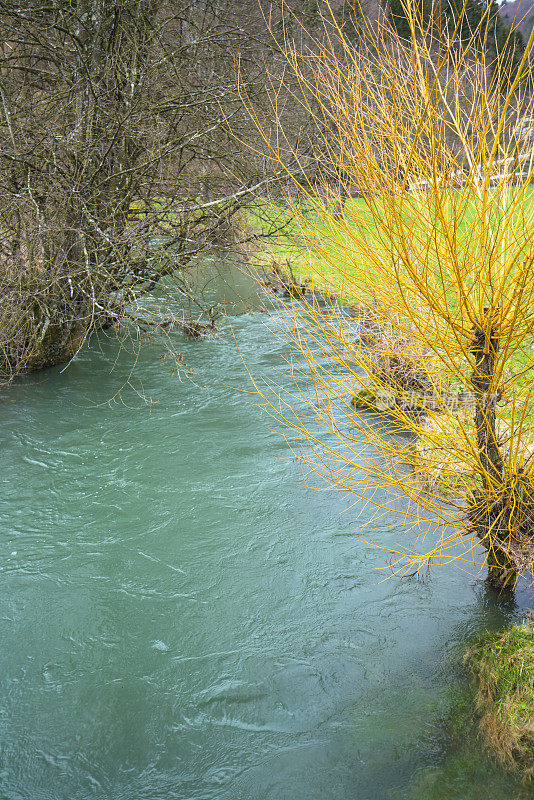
181 618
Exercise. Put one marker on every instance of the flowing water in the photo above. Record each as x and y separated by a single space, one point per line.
180 617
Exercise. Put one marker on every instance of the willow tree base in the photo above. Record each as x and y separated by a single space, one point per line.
502 573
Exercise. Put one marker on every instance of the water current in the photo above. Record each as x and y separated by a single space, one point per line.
182 618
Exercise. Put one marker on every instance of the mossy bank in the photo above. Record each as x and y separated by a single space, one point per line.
503 665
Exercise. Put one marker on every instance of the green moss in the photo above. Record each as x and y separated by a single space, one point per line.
503 665
459 767
364 400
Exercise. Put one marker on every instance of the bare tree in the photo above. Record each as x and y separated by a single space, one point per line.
117 168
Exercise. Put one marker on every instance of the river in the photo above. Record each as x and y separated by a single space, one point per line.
180 617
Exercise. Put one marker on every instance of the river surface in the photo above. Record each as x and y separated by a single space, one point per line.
182 618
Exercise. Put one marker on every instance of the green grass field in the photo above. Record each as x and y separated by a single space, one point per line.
333 236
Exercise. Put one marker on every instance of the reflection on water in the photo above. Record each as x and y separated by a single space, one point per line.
181 618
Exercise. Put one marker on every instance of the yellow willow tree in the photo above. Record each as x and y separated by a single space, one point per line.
428 144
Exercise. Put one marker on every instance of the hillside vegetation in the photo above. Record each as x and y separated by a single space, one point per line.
520 14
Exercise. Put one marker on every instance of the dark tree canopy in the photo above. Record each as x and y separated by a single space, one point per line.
481 15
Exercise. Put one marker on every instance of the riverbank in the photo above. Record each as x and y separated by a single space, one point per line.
503 665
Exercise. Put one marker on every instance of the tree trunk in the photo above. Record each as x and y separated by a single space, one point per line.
501 571
484 348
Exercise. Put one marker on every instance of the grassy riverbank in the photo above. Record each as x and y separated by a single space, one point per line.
289 250
503 665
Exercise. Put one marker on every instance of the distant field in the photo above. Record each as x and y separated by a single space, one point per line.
333 256
289 247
